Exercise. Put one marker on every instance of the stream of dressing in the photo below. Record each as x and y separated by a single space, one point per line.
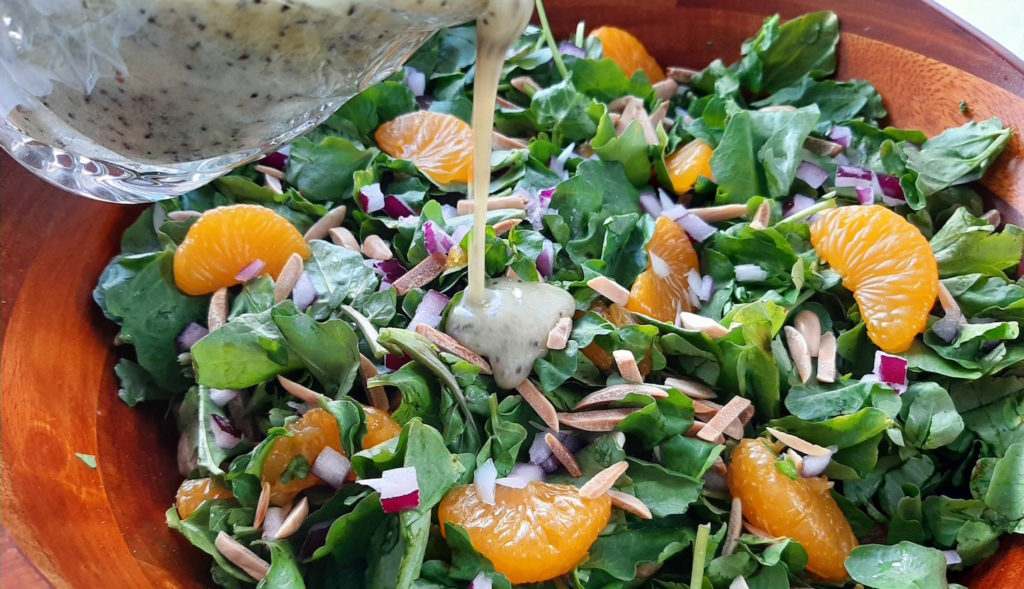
508 320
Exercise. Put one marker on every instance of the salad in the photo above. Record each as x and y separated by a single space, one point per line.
792 357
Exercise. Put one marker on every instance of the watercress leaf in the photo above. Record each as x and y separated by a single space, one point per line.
932 420
903 566
329 350
323 172
284 571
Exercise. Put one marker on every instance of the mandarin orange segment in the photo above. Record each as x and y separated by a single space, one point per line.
531 534
226 239
887 264
628 53
440 145
194 492
801 509
316 430
662 290
688 163
379 427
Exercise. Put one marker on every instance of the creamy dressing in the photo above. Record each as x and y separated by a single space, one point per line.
511 325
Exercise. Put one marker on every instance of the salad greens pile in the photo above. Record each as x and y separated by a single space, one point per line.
937 468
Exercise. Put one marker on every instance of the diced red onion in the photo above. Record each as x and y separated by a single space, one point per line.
952 557
841 135
277 160
811 173
484 478
396 361
567 48
750 273
651 204
188 337
814 466
391 269
800 202
546 259
481 581
371 199
396 208
273 521
891 370
416 81
448 211
304 292
675 212
513 482
221 397
540 452
401 503
252 270
429 310
665 199
460 233
528 471
537 205
696 227
435 239
300 407
331 467
225 435
890 187
424 102
398 487
847 176
841 159
865 195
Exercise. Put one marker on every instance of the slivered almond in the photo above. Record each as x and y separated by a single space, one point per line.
602 420
501 141
822 147
777 108
183 215
376 248
720 467
762 217
659 115
609 289
421 274
709 434
668 122
242 557
321 229
378 397
629 114
809 326
992 217
666 89
734 429
617 393
287 277
558 337
300 392
747 414
448 344
603 481
563 455
541 405
827 358
503 227
343 237
948 303
627 366
273 183
720 213
751 528
732 534
683 75
269 171
798 444
620 103
629 504
635 111
720 423
511 274
293 522
262 505
798 350
525 84
615 118
217 314
705 325
690 388
507 104
703 408
465 207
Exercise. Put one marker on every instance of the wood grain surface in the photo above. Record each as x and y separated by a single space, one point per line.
86 528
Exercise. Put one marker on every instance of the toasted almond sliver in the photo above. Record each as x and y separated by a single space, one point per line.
705 325
751 528
609 289
619 104
809 326
321 229
376 248
511 274
421 274
287 277
183 215
666 89
720 213
700 429
541 405
217 315
507 104
269 171
262 505
603 480
300 392
683 75
501 141
798 350
619 392
822 147
705 408
503 227
615 117
273 183
732 535
525 84
242 557
690 388
465 207
603 420
729 413
827 358
558 337
343 237
448 344
293 522
629 114
762 217
777 108
948 303
993 217
563 455
627 366
378 397
734 429
629 504
659 115
799 444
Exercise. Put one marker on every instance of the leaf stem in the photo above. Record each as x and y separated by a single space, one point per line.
550 38
700 553
828 202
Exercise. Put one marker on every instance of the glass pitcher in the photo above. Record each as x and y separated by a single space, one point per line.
141 100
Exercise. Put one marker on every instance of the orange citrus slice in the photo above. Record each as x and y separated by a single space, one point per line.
225 240
628 53
440 145
688 163
194 492
379 427
531 534
662 290
887 264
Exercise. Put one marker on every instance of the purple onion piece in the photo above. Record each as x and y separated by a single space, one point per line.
394 361
460 233
277 160
852 176
890 187
225 435
707 286
948 328
675 212
221 397
371 199
188 337
448 211
396 208
841 135
251 270
430 309
865 195
528 471
481 581
332 467
567 48
416 81
272 522
651 204
800 202
546 259
304 292
696 227
665 199
391 269
811 173
952 557
435 239
891 370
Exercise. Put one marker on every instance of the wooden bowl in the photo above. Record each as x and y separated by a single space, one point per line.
88 528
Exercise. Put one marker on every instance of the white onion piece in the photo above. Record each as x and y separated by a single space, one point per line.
707 285
813 466
225 435
952 557
304 292
252 270
650 204
429 310
666 200
811 173
675 212
480 581
841 135
484 480
696 227
750 273
331 467
513 482
416 81
221 397
272 522
527 471
192 333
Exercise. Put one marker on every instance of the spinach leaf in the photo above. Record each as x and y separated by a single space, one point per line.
420 393
837 101
969 245
195 421
197 530
664 491
1006 489
657 419
993 409
371 107
564 112
988 296
903 566
956 156
932 420
779 56
323 172
284 571
339 275
349 535
627 547
329 350
823 401
137 385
